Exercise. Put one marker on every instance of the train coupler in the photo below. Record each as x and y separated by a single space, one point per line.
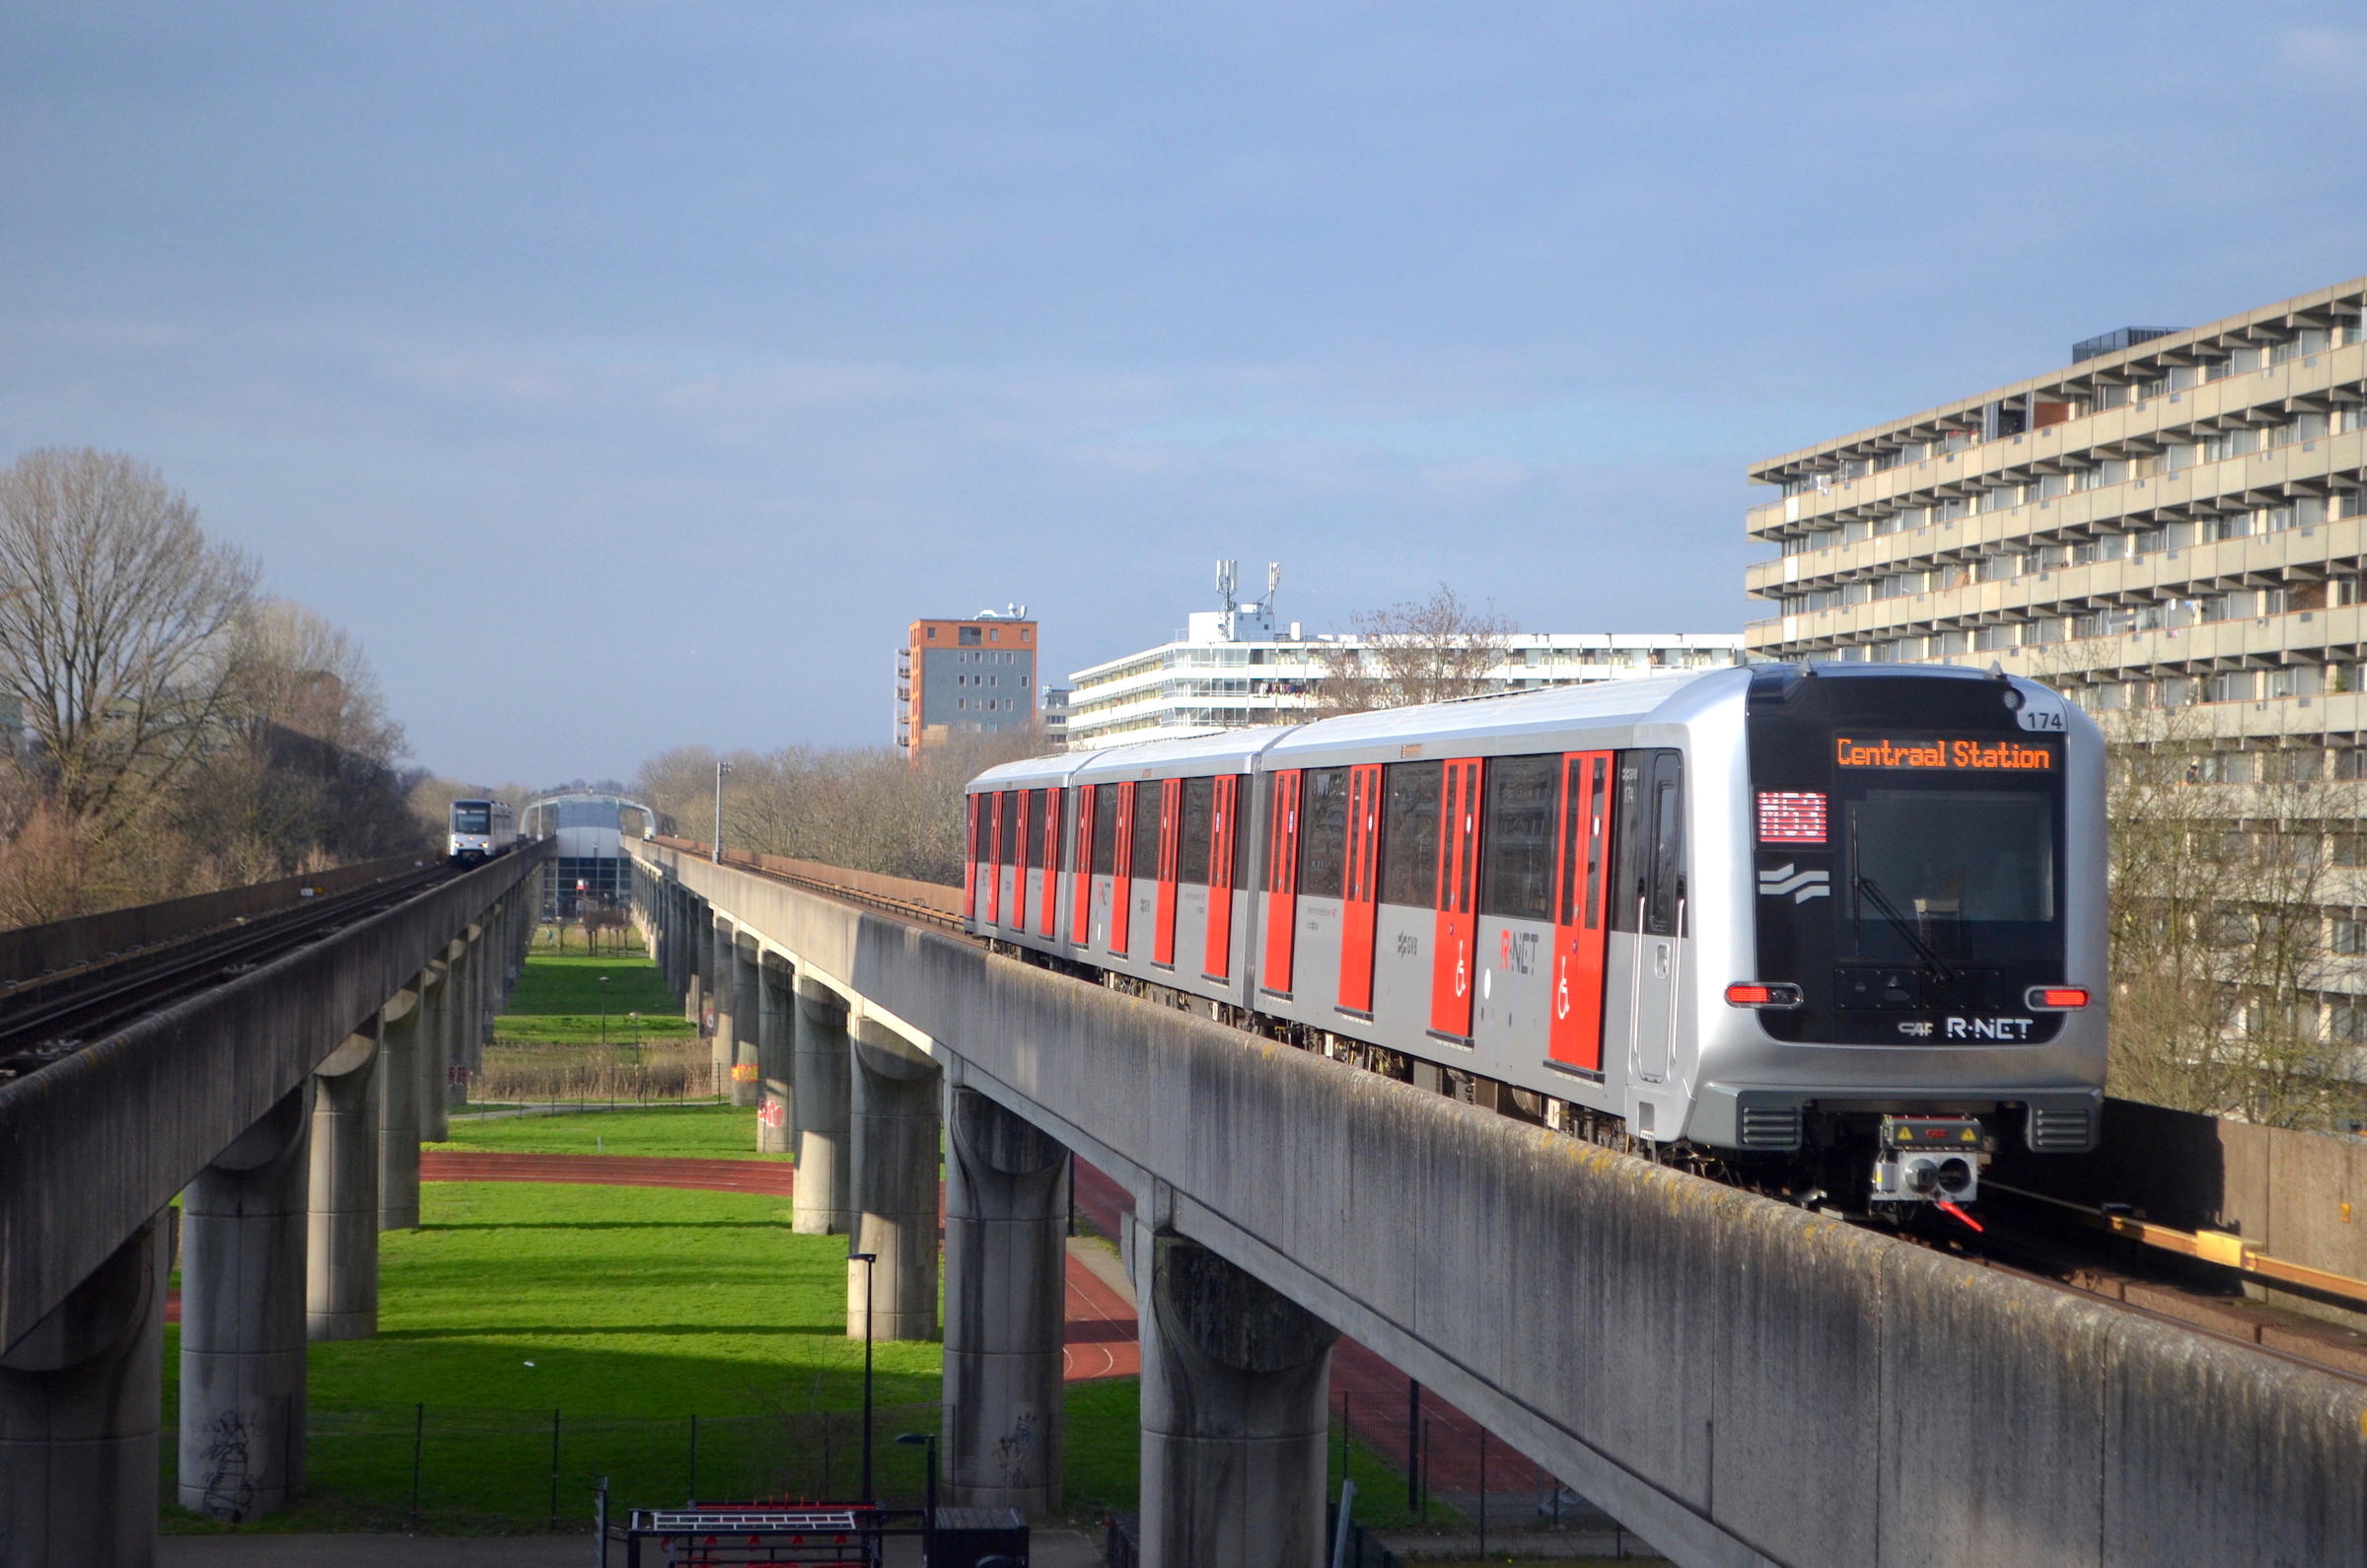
1929 1160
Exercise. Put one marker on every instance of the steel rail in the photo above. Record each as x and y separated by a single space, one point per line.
90 1001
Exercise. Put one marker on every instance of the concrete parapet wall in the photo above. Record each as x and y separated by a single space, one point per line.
93 1145
1741 1382
905 890
33 951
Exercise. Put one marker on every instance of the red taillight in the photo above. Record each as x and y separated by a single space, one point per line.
1752 993
2063 998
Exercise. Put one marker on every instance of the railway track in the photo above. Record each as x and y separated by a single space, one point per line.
45 1018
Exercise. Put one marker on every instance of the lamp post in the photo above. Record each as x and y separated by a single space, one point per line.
603 1013
870 1261
721 768
928 1529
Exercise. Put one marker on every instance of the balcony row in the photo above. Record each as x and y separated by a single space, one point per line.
2261 396
2292 477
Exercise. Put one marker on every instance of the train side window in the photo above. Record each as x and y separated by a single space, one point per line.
1104 831
1668 845
1516 838
1200 806
1146 830
1636 902
1324 832
1014 831
1068 831
1598 814
1409 834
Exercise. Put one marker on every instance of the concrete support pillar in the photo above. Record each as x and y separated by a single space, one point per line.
1006 1251
720 986
895 1167
1235 1381
821 1101
698 941
398 1111
81 1401
468 1013
242 1319
747 1065
435 1013
341 1256
776 1056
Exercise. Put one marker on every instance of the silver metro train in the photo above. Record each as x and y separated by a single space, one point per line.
480 829
1848 914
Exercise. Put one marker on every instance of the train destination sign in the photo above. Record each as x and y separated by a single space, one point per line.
1935 753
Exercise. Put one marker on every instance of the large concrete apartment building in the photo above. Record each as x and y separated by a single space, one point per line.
2172 519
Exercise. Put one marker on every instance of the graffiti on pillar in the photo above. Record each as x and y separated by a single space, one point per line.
229 1488
771 1113
743 1072
706 1020
1014 1450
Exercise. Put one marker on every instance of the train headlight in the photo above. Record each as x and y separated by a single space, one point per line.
2056 998
1754 993
1955 1175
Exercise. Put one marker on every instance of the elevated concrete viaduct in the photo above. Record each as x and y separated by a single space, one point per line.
1741 1382
286 1104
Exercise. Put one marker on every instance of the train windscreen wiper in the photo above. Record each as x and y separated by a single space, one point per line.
1889 911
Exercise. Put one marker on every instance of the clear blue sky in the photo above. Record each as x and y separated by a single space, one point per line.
628 375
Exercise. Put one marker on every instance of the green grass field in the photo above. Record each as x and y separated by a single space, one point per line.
559 999
629 1310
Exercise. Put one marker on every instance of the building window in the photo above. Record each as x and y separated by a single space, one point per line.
932 634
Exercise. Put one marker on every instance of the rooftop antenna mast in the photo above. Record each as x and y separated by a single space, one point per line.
1228 578
1273 581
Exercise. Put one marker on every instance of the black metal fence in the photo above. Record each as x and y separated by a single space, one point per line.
444 1469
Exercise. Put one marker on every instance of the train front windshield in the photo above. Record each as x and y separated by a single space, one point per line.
472 816
1972 873
1909 859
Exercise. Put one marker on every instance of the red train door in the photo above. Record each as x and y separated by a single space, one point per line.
1121 880
1581 876
1019 861
1281 881
1048 922
1360 891
1080 894
1170 852
970 863
1451 965
1217 958
994 857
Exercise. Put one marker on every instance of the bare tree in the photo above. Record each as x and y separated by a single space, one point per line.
864 809
1431 650
2222 863
116 615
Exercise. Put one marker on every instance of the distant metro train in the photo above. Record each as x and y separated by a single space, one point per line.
1852 915
480 829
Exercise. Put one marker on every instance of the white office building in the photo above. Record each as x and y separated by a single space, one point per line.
1238 666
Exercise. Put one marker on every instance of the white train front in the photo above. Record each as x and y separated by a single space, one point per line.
1838 914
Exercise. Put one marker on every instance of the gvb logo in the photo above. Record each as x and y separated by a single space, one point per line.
1802 886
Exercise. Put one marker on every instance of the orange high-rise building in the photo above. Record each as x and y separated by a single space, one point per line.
966 677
